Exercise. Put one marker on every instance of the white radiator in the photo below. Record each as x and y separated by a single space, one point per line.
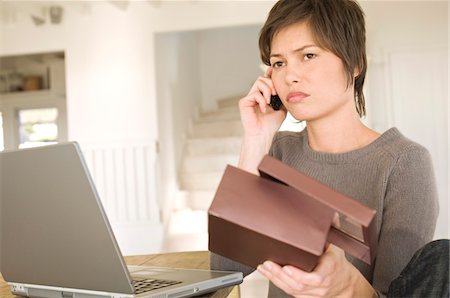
124 175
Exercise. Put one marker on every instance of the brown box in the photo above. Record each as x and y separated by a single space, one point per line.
285 216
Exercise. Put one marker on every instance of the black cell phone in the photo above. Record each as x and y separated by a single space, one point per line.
275 102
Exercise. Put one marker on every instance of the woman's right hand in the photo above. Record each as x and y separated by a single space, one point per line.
260 122
258 118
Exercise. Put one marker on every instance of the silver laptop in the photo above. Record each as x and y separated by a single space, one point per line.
56 240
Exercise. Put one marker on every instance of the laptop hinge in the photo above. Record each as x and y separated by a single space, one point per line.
66 294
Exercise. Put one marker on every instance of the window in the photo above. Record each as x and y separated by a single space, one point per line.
37 127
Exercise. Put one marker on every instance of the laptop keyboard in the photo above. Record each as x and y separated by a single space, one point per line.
145 285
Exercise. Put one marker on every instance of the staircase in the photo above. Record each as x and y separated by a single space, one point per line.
215 142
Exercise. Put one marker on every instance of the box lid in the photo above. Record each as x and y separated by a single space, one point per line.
355 231
273 209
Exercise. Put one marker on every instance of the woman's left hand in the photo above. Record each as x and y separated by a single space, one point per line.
334 276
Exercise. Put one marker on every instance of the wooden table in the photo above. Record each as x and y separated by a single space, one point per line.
189 260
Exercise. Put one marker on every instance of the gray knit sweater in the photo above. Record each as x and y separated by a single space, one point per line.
392 175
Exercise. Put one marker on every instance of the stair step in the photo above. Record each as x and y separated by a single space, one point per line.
208 163
230 113
200 181
217 129
197 200
213 145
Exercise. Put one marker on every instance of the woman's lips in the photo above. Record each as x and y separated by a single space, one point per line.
296 97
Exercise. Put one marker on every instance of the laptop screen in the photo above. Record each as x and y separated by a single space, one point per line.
53 228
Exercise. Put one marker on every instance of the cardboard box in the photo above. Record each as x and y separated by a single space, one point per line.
286 217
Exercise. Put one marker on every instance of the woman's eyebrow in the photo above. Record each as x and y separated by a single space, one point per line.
301 49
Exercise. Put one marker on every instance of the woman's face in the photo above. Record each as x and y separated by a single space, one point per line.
311 82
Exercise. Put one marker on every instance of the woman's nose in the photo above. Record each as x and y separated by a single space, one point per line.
293 73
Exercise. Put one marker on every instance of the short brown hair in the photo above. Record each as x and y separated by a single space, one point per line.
337 25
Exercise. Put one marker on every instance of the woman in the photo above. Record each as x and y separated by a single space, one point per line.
315 50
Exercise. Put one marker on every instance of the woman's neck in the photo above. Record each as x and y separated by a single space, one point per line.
342 134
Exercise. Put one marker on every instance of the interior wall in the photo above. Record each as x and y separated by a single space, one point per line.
229 62
109 102
110 56
394 25
107 75
178 98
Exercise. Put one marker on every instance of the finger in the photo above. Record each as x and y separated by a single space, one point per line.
254 99
329 261
280 278
309 279
268 274
333 249
262 102
268 73
265 86
261 87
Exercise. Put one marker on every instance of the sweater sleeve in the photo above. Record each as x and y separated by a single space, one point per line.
409 214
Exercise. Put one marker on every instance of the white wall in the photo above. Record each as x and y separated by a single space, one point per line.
107 53
229 62
178 98
109 57
109 91
393 25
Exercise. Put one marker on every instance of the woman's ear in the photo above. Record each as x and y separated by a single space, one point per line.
356 72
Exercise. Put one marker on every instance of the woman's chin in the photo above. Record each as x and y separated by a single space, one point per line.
299 116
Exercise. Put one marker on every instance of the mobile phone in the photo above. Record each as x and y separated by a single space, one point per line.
275 102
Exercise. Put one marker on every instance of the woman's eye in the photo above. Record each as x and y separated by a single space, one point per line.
277 64
309 56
